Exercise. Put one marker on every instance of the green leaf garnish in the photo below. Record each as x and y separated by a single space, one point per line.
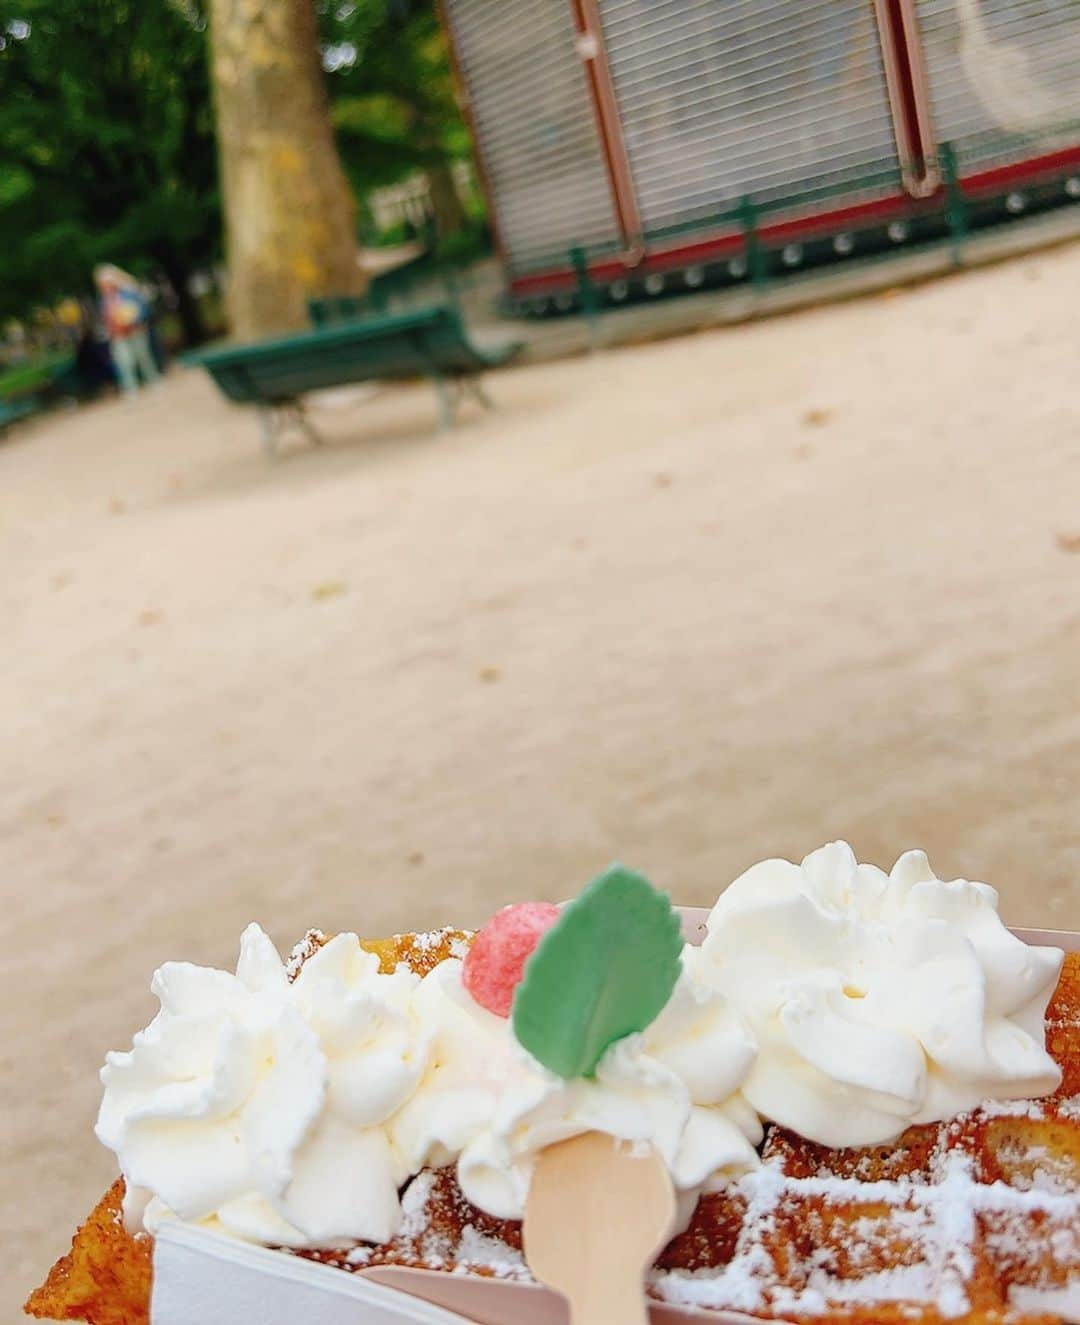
604 970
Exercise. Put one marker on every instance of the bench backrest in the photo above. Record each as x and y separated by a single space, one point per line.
381 292
425 343
332 309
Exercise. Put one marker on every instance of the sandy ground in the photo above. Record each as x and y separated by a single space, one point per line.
687 605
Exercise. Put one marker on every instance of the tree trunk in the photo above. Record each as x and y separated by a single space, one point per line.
449 214
289 214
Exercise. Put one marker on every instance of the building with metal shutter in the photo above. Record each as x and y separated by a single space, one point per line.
667 144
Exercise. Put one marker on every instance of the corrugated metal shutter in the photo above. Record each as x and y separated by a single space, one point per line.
534 119
1004 76
720 98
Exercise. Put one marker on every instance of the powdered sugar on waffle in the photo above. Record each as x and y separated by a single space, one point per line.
434 1249
308 946
479 1251
1032 1109
903 1242
936 1224
433 939
431 943
470 1252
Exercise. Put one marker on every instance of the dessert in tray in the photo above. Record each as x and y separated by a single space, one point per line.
864 1089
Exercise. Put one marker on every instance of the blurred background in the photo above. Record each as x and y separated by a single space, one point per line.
770 535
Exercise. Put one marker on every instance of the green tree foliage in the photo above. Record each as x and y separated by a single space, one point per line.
106 145
392 93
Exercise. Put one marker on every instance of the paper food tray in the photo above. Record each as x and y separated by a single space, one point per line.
203 1278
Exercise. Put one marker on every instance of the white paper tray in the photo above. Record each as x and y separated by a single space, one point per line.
203 1278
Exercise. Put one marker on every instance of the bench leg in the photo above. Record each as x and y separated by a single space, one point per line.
449 394
270 428
300 417
274 419
452 391
473 387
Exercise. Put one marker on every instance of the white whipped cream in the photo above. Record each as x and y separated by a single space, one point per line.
877 1000
673 1086
260 1105
840 1001
472 1056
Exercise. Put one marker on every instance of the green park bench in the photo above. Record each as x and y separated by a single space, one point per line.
382 290
11 411
333 309
275 375
29 388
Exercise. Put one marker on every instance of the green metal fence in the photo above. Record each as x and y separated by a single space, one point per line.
752 256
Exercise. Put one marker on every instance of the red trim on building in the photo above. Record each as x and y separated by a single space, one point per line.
608 122
922 101
719 246
1021 171
801 227
909 100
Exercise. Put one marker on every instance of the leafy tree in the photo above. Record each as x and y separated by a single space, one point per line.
106 146
393 98
107 136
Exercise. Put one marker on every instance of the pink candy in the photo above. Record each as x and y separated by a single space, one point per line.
497 958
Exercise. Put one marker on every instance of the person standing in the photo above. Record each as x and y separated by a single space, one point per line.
126 315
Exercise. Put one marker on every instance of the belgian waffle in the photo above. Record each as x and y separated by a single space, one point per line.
976 1220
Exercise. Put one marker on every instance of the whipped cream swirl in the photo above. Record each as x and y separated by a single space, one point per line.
673 1086
830 997
260 1105
877 1000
